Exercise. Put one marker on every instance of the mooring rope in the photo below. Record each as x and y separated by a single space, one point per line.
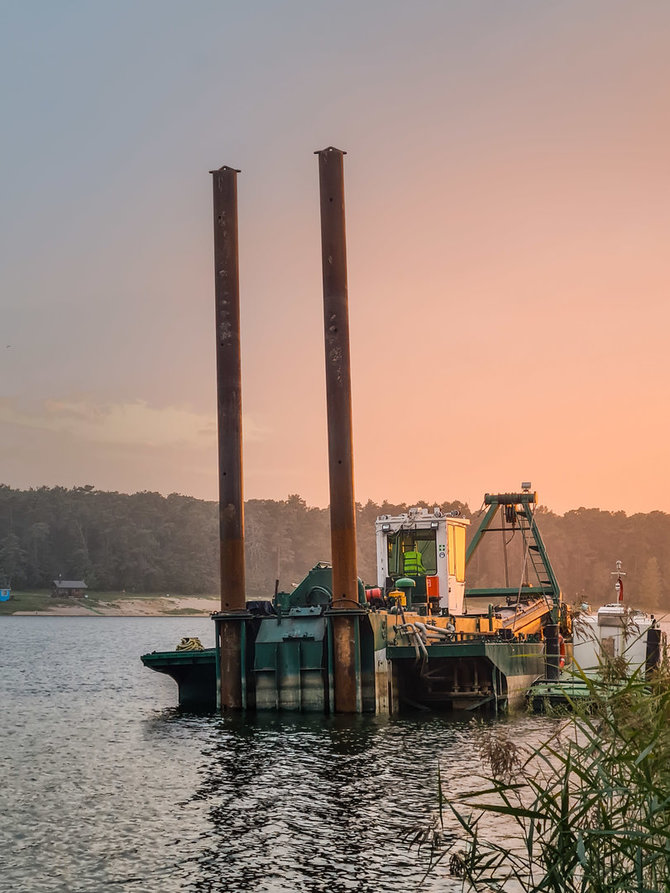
190 644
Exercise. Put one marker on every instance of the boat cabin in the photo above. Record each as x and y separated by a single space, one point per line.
427 547
614 632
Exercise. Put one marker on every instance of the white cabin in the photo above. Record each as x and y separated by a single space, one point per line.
615 631
436 544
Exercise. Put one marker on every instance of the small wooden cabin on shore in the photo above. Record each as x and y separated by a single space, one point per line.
68 589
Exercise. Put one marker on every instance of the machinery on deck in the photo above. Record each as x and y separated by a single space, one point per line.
422 639
457 648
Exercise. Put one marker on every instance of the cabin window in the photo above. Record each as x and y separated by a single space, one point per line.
459 536
412 552
456 539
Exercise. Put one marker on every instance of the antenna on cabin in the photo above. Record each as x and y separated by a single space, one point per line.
618 586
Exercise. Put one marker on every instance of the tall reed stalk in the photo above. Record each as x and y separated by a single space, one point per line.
589 807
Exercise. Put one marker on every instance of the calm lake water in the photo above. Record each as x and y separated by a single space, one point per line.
106 786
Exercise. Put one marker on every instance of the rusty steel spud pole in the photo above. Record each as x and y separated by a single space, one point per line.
229 414
340 438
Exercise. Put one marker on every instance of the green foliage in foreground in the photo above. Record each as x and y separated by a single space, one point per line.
591 805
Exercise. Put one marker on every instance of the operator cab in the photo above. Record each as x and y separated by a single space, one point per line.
429 549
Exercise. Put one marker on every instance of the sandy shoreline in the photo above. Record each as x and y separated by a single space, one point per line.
168 606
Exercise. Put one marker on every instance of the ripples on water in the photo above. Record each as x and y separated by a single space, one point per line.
107 787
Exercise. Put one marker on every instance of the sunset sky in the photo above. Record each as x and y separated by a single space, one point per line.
508 215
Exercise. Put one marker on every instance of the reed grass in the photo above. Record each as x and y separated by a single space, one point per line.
587 811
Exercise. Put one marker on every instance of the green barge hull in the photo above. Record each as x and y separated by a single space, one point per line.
193 671
289 667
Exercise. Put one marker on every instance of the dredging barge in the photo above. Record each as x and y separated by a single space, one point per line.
332 645
416 644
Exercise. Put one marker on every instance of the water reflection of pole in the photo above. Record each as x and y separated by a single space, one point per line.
229 412
345 617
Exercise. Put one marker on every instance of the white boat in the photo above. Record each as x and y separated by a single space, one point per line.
609 645
614 633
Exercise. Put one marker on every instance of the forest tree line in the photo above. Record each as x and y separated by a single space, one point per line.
151 543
